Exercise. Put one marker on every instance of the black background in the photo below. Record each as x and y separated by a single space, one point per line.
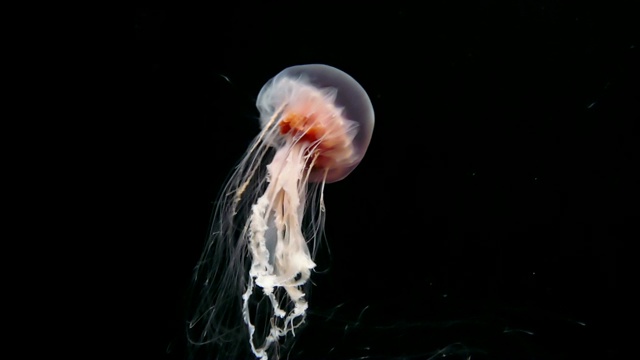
488 215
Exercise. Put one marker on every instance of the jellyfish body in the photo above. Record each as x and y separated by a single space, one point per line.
316 124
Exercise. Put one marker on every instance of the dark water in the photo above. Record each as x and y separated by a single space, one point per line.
486 220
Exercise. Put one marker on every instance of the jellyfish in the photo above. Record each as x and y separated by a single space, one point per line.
252 280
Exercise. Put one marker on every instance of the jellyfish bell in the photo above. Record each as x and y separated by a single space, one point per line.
324 104
317 123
